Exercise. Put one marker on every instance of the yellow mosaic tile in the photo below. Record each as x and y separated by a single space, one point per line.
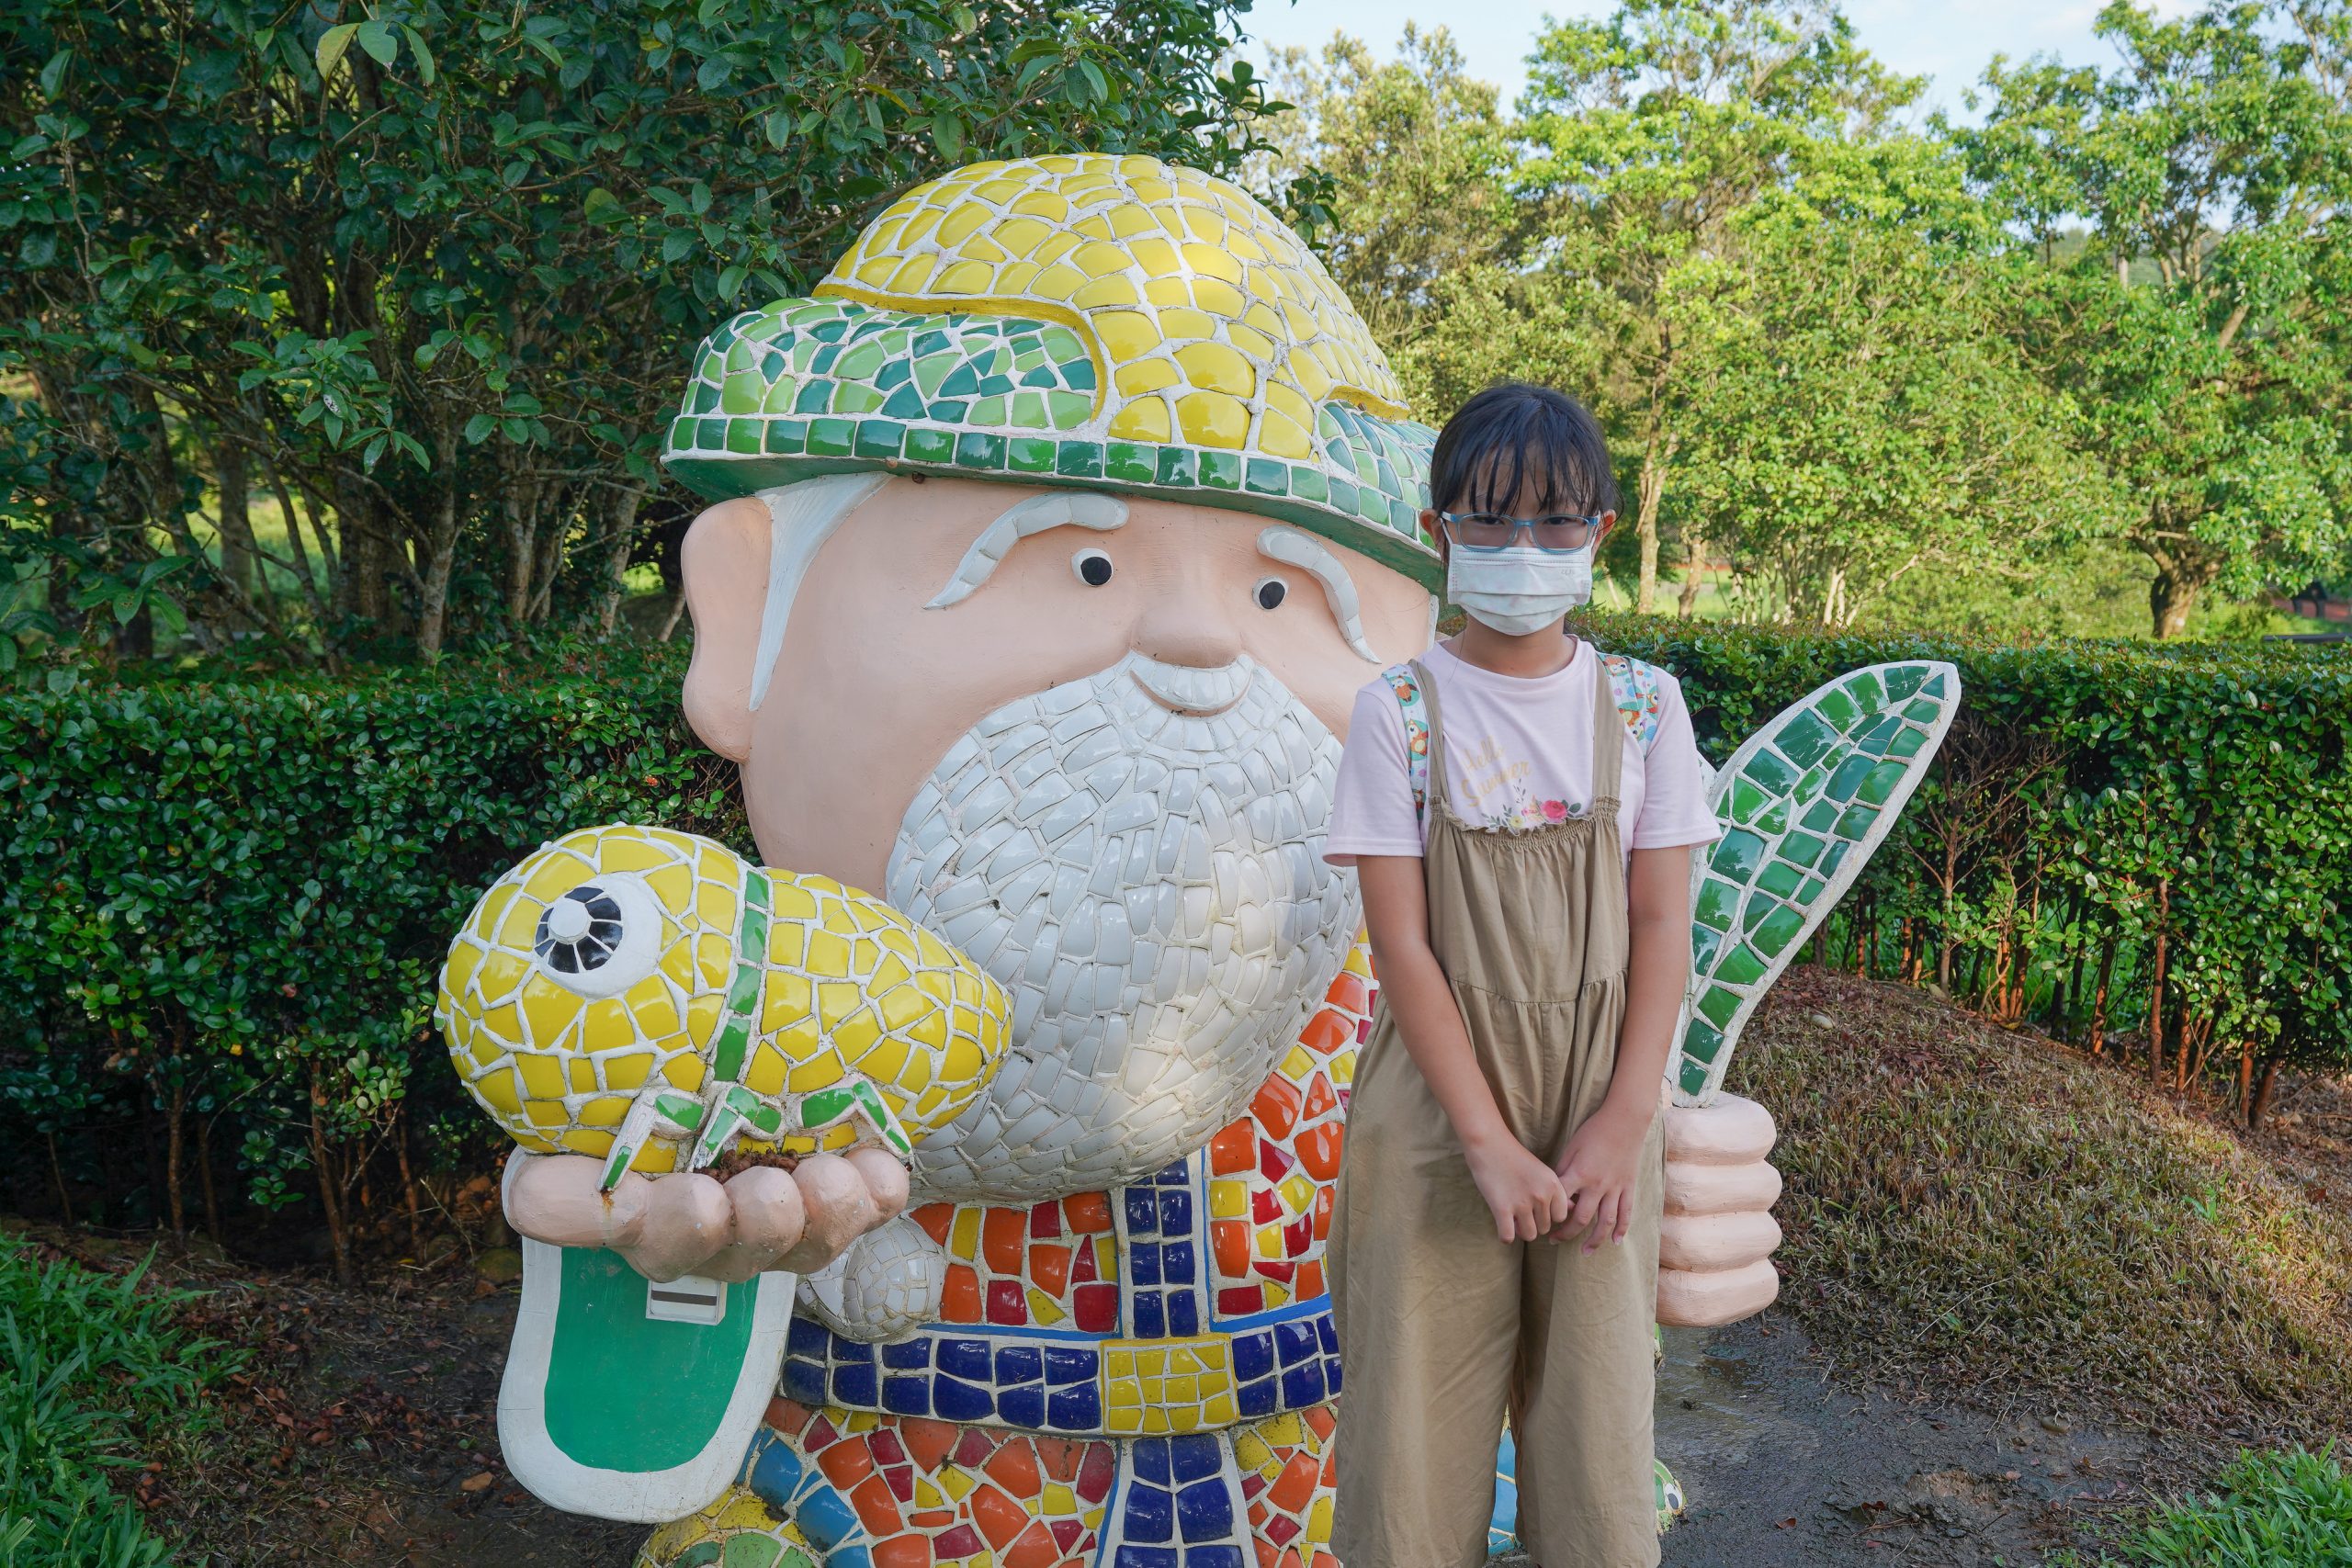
1154 1387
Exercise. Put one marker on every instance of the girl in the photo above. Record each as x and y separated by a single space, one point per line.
1520 808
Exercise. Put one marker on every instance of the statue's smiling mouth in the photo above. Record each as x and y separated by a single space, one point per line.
1189 689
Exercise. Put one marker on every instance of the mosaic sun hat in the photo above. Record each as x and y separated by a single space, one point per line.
1115 324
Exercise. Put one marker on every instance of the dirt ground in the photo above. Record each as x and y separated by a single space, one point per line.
368 1436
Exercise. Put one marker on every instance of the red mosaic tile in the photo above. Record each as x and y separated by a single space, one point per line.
1096 1308
1276 1106
1045 1221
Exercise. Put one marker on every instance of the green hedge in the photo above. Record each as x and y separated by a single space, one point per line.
224 902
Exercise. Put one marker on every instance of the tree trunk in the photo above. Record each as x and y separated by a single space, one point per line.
1650 490
1694 572
239 563
57 1170
408 1186
622 538
176 1140
2263 1088
522 529
204 1178
2098 1001
441 552
330 1198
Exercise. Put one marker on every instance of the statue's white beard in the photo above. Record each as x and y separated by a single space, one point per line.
1149 886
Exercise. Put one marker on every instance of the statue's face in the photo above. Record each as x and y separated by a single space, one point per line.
1103 770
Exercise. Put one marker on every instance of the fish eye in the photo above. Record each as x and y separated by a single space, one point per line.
1269 593
600 938
1093 567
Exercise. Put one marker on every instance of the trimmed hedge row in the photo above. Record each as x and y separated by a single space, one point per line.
221 905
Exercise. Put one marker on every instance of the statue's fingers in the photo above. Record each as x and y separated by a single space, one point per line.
687 1221
885 1177
770 1217
554 1198
841 1209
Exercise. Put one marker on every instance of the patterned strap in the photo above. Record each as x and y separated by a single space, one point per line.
1634 683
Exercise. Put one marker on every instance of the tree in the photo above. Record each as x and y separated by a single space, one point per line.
1410 160
427 271
2206 325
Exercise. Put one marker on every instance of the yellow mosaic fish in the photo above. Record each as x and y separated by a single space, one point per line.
651 998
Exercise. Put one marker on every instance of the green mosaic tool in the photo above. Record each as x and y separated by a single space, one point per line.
627 1398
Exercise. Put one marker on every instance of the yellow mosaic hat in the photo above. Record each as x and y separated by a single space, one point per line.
1108 322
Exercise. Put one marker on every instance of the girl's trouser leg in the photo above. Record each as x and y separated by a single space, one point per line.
1427 1302
1587 1389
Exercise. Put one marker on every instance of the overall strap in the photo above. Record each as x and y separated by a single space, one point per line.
1608 734
1417 699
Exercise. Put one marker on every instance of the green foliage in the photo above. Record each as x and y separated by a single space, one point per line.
2272 1511
227 901
433 268
222 903
92 1369
2095 803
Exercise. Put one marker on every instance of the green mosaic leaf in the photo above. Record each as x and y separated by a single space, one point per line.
1857 821
880 438
1740 966
931 447
1882 781
1125 460
1029 454
1805 741
1849 777
1718 1005
1737 854
1904 679
1801 848
830 437
1865 690
1837 707
1718 899
1701 1039
1821 816
976 449
1780 878
1776 930
1745 799
1221 470
1907 744
1079 460
1267 476
1693 1079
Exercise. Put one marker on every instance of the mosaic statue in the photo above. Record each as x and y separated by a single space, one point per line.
981 1219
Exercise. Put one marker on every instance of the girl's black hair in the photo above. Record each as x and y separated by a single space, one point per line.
1513 432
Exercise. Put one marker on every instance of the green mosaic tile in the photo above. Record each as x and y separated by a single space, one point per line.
1737 854
1907 744
1718 1005
787 437
861 362
1810 785
831 437
743 436
1880 782
1801 848
1778 930
1029 410
1836 857
1704 945
1935 686
1718 899
990 411
1267 476
1069 410
1079 460
1922 711
1029 454
1760 904
1740 966
1865 689
1745 799
1775 821
682 432
1849 777
1343 495
880 438
1821 816
1804 739
1309 483
712 436
1880 730
904 404
1857 821
978 449
1221 470
857 397
1780 878
1904 679
1702 1040
1693 1080
813 397
1125 460
931 447
742 394
781 397
1179 466
1810 891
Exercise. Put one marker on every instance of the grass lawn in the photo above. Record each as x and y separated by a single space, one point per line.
2281 1510
96 1377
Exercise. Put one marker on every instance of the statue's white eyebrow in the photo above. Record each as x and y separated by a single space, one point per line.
1304 551
1063 508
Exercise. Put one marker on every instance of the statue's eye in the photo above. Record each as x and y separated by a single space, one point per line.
581 931
1269 593
601 938
1093 567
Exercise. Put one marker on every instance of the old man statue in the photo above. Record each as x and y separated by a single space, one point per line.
1053 536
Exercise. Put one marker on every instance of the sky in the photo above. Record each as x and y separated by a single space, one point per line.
1950 43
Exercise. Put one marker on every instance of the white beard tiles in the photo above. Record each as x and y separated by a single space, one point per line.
1149 886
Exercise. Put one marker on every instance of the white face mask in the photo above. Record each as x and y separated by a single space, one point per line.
1518 590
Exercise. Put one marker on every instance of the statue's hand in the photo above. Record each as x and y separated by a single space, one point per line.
684 1222
1715 1242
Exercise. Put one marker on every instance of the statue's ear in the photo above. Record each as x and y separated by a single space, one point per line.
724 558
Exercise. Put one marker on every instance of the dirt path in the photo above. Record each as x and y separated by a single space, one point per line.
1784 1470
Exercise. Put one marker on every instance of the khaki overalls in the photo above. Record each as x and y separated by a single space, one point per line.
1441 1326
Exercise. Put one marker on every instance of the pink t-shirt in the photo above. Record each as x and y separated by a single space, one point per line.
1519 754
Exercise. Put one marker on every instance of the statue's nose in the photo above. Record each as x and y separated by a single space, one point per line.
1184 625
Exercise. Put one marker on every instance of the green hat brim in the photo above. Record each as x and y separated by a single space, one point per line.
810 386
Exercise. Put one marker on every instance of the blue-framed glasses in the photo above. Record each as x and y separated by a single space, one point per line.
1492 531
